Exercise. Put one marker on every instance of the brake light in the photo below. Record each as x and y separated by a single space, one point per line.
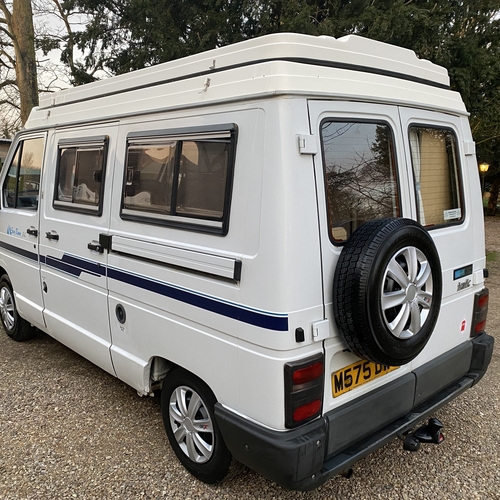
304 383
480 312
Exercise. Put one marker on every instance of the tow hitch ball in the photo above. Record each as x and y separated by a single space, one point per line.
430 433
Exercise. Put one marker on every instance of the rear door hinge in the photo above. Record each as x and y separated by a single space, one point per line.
307 145
320 330
469 148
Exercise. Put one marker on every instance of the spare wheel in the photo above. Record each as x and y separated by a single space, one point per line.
387 290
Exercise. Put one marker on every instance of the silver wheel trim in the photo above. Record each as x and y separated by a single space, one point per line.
7 308
406 292
191 424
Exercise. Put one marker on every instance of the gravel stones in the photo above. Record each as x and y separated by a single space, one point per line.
69 430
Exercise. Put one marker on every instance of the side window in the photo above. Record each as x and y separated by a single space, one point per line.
148 186
80 176
360 175
22 183
436 172
202 175
181 181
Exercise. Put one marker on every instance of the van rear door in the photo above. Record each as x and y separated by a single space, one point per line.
361 175
447 201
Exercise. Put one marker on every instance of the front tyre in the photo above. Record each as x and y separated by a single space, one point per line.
16 327
187 406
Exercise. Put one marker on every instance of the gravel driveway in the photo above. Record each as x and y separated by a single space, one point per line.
69 430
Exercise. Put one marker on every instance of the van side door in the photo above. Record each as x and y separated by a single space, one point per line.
19 226
76 211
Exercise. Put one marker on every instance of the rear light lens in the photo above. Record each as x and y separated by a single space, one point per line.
480 312
307 411
304 384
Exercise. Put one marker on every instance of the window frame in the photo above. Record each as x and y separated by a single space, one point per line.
19 144
397 176
185 222
459 177
82 142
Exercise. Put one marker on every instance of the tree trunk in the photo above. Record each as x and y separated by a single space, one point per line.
24 46
493 200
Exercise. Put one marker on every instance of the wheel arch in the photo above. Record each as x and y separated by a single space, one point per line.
158 368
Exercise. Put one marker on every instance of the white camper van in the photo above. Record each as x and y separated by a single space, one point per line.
284 235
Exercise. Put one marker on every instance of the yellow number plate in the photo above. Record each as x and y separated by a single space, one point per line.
357 374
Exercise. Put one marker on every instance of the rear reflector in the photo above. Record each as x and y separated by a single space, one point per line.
480 327
304 412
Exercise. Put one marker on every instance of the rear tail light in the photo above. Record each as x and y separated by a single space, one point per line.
480 312
304 383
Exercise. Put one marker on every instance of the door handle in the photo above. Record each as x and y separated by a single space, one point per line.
32 231
52 236
95 247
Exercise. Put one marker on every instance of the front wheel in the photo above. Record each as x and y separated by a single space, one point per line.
16 327
187 406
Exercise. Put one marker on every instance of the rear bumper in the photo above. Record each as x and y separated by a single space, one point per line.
306 457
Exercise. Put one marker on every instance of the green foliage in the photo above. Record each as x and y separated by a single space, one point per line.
463 36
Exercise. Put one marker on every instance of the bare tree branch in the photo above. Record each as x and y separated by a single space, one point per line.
6 12
6 83
10 103
9 57
7 32
70 42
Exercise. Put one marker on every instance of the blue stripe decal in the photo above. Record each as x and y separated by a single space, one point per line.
233 311
19 251
75 266
88 266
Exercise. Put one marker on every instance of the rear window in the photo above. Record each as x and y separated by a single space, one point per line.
437 175
360 175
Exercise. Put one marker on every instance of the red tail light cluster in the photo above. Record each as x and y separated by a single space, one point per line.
480 312
304 383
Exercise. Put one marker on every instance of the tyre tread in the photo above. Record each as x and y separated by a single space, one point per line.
351 283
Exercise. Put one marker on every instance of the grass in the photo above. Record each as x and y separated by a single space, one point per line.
491 255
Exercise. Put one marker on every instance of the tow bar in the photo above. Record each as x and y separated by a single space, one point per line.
430 433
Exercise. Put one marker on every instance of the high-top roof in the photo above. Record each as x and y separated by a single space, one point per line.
284 63
349 52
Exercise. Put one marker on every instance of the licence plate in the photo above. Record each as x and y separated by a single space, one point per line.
357 374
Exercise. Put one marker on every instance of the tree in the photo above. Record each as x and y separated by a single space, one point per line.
17 52
62 35
123 35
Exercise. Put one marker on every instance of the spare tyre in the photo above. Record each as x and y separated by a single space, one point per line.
387 290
